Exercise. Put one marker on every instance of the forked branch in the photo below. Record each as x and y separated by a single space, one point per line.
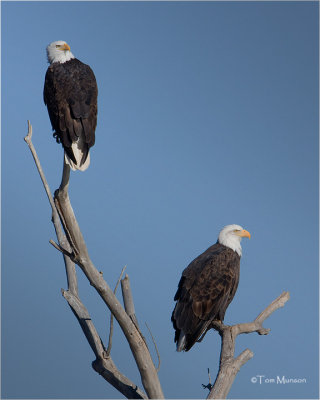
71 243
229 365
103 363
75 251
139 349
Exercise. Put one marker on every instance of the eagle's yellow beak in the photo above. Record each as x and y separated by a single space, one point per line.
244 233
65 47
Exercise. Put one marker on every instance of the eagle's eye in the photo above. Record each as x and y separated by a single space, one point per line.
58 45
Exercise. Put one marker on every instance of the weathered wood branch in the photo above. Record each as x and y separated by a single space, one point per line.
79 254
72 245
128 300
139 349
106 368
103 364
156 348
111 315
63 242
230 366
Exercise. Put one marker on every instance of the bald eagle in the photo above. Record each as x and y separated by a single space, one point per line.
207 287
70 93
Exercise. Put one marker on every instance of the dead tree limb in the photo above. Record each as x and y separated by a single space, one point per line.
230 366
103 364
111 315
63 242
156 347
139 349
71 243
128 300
79 255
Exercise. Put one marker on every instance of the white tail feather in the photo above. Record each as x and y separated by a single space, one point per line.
77 149
181 342
74 167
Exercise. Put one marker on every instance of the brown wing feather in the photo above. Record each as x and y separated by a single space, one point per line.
205 290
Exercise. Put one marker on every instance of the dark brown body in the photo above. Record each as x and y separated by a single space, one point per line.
70 93
205 290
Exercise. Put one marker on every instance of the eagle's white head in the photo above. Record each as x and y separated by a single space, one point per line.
59 51
231 236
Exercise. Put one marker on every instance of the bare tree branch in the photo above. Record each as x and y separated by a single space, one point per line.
28 140
148 373
230 366
72 245
106 368
64 185
139 349
111 315
85 322
63 242
60 248
156 347
128 300
103 363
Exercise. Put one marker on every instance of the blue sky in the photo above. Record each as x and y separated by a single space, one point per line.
208 115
